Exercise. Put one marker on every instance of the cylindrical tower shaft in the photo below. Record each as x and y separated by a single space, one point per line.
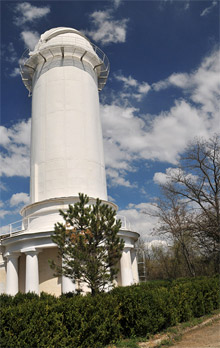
64 73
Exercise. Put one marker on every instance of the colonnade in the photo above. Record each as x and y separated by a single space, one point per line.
31 274
128 271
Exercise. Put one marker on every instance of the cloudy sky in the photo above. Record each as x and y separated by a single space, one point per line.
162 92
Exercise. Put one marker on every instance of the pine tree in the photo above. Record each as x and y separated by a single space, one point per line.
88 244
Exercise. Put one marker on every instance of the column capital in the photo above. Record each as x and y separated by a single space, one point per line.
31 251
128 247
12 255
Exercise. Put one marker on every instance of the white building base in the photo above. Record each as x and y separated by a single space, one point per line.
25 265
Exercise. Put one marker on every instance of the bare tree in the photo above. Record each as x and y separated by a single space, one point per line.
190 204
175 222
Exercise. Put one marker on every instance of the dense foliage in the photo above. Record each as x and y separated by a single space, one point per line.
168 262
94 321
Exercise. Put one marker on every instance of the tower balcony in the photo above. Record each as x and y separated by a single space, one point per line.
25 224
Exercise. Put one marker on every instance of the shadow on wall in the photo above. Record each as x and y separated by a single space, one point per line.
48 283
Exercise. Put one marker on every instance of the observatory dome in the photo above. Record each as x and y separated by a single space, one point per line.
66 44
63 36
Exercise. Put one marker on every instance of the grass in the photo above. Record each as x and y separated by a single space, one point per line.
128 343
174 334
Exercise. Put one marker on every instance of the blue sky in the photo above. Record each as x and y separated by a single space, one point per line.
162 92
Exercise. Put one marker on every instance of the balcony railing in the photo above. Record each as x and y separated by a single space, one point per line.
125 224
29 61
24 224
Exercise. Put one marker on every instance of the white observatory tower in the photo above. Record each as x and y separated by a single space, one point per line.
63 74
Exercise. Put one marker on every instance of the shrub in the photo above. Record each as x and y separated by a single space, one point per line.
28 320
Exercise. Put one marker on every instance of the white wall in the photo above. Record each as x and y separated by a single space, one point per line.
67 147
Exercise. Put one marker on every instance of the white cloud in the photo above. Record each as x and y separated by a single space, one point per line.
19 198
116 157
206 82
128 81
30 38
111 199
202 85
14 165
139 221
144 88
129 137
116 178
163 84
171 131
207 10
186 5
182 5
106 29
117 3
172 173
4 136
163 178
4 229
160 178
3 187
178 80
15 143
9 53
121 127
3 213
20 132
132 88
25 12
15 72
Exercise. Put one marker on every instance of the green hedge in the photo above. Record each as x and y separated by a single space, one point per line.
28 320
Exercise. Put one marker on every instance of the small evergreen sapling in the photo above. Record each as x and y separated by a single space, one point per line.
88 244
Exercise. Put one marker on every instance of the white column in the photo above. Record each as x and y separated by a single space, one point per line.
12 274
32 272
134 266
126 268
67 285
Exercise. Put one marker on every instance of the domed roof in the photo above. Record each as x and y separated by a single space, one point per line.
49 34
64 42
62 35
